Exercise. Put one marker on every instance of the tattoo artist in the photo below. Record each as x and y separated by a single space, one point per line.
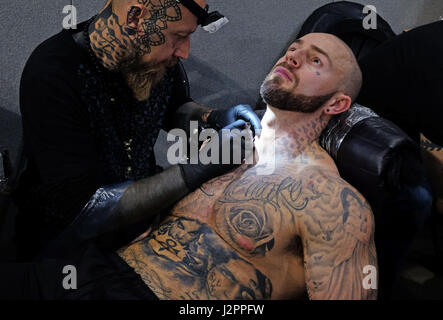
93 101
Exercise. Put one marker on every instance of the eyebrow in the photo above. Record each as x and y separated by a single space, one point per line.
188 32
315 48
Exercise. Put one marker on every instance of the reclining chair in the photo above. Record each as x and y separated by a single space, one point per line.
373 154
384 164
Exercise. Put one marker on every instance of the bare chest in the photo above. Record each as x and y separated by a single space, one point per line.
256 215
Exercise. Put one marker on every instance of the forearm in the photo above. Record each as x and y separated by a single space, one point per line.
112 210
145 198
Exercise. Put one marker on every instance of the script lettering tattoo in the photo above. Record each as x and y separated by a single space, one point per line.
338 241
275 190
251 208
194 203
212 186
194 256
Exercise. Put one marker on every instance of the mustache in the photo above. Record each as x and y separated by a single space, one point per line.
290 68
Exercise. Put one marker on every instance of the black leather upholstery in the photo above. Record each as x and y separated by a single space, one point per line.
345 20
374 155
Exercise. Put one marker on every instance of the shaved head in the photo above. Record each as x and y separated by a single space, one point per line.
318 70
344 61
142 39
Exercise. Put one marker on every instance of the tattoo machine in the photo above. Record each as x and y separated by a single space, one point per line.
210 21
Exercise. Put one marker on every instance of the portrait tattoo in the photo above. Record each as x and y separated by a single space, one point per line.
198 261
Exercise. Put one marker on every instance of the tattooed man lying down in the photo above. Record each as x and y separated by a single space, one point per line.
299 230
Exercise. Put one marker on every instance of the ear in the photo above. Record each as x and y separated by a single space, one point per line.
339 103
135 13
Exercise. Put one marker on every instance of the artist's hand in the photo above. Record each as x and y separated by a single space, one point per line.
228 143
221 118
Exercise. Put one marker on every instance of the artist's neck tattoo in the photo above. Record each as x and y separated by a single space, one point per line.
134 33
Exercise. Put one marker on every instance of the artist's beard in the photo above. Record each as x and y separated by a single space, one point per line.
142 77
274 95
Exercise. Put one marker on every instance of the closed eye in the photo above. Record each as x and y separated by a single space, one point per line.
182 36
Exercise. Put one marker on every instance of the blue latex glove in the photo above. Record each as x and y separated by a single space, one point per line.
196 174
222 118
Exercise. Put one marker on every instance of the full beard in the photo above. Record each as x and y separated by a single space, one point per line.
277 97
141 77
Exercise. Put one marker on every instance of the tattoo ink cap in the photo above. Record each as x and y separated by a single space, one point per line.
210 22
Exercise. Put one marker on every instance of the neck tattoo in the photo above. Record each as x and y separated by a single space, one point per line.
127 144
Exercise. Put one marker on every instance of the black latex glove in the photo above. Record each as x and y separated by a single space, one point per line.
197 174
221 118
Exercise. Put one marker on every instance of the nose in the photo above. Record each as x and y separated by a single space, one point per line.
294 59
183 48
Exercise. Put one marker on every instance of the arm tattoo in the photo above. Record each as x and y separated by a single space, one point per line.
338 243
430 146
